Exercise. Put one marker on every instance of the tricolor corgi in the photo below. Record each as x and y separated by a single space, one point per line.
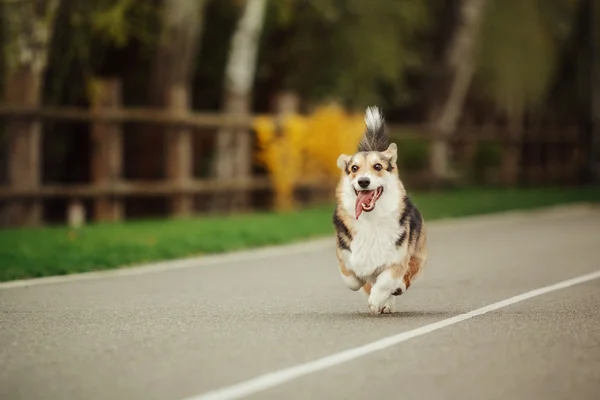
381 239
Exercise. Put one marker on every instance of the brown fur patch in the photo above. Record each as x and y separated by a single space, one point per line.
399 270
367 288
414 266
417 257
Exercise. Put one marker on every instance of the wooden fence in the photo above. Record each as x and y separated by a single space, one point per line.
107 189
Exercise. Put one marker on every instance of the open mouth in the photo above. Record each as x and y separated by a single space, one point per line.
366 199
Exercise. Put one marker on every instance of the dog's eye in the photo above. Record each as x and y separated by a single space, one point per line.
377 167
354 168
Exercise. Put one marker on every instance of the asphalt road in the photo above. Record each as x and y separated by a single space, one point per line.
180 333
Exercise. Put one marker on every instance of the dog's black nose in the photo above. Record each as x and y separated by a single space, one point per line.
364 182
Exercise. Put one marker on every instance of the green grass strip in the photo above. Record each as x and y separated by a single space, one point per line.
28 253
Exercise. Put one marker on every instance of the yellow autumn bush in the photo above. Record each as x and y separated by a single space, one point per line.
305 148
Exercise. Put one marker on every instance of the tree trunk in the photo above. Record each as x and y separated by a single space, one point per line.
27 34
180 154
183 28
178 49
455 80
233 145
172 74
172 71
107 149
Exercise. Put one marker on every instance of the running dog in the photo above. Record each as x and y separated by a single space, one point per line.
381 239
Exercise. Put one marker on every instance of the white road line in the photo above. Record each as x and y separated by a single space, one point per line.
276 378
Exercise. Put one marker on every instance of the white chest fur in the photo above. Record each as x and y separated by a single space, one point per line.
375 233
374 246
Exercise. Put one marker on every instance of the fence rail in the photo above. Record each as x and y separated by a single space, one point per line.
107 187
145 189
156 116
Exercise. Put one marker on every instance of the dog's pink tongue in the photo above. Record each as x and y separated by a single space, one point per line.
363 196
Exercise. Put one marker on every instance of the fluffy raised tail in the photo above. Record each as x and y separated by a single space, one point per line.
375 137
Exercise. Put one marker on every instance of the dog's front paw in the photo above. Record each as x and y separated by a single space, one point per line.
380 304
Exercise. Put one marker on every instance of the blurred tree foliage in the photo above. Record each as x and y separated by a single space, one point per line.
349 50
354 51
519 52
100 37
532 56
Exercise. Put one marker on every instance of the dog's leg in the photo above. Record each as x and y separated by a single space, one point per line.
387 283
350 279
416 263
414 267
390 303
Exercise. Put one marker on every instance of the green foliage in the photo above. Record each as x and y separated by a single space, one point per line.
355 51
87 36
413 153
27 253
120 21
26 30
519 51
348 49
487 155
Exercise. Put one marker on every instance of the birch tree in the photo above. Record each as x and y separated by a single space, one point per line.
171 88
233 145
518 78
175 59
181 27
458 68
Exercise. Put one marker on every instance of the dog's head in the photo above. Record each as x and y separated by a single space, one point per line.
369 176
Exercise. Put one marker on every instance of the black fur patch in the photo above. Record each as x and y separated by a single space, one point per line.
348 165
401 239
415 225
406 214
341 242
344 236
412 215
389 167
375 139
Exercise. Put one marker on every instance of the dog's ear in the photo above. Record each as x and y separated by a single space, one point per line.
392 153
342 161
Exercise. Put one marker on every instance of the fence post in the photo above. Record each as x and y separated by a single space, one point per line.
107 149
23 87
24 162
26 34
286 104
179 153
